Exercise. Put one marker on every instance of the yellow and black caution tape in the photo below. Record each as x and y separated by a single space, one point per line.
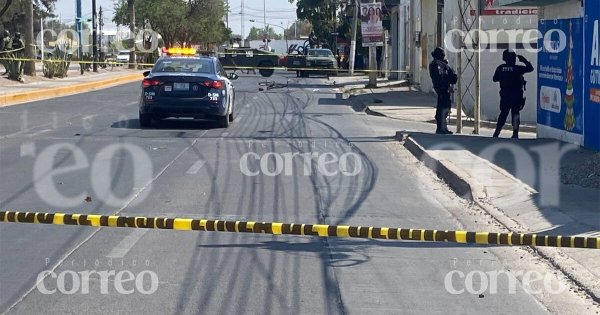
81 62
10 51
114 63
322 230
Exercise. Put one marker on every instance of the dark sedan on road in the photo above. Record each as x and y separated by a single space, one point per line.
194 87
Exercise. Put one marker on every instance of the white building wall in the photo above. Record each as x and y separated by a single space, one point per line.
564 10
426 16
501 30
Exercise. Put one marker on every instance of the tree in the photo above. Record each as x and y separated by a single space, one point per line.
180 22
260 33
29 42
298 29
131 11
320 13
12 13
326 17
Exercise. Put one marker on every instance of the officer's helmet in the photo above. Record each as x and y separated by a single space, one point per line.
438 54
509 56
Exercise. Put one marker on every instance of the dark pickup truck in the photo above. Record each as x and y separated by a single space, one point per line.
315 61
249 59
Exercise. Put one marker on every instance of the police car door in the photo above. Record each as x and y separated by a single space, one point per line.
228 84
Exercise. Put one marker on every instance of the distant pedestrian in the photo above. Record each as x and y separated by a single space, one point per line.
512 88
443 78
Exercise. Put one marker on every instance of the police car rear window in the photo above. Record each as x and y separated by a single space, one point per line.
184 65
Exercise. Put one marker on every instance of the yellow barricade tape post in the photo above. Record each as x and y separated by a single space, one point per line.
321 230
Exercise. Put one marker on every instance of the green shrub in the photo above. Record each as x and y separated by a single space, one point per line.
86 65
57 66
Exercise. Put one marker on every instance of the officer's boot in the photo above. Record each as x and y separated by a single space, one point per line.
438 121
515 132
446 115
497 132
516 122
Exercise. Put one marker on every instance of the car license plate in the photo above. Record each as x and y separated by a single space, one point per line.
296 63
181 86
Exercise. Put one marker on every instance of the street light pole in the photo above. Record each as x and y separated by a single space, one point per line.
94 37
42 36
353 41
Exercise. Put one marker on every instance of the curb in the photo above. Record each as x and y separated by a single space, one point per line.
459 183
383 85
452 122
18 98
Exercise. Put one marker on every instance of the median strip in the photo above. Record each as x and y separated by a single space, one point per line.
321 230
47 93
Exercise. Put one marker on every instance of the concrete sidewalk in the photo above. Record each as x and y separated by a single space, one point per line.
405 103
529 185
526 186
39 88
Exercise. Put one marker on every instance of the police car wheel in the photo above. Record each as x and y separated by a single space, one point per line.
223 121
231 116
145 120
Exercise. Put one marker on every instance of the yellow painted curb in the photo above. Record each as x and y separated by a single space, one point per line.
18 98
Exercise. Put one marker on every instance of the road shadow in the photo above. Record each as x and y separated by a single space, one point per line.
551 167
342 252
328 85
338 100
168 124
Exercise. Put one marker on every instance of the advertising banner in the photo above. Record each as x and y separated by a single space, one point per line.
560 67
592 76
371 26
491 7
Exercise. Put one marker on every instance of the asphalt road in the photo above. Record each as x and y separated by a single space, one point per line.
86 153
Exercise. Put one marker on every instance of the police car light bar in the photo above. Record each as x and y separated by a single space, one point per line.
179 51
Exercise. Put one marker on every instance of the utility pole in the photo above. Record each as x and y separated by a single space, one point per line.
459 98
79 28
353 41
131 8
94 37
477 72
101 27
42 37
29 67
373 64
243 18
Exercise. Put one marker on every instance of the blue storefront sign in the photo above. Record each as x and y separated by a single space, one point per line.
592 76
560 69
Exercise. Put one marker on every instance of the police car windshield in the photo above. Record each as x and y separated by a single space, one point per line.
184 65
320 53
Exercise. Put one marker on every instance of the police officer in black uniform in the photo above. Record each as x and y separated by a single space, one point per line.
442 76
512 87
